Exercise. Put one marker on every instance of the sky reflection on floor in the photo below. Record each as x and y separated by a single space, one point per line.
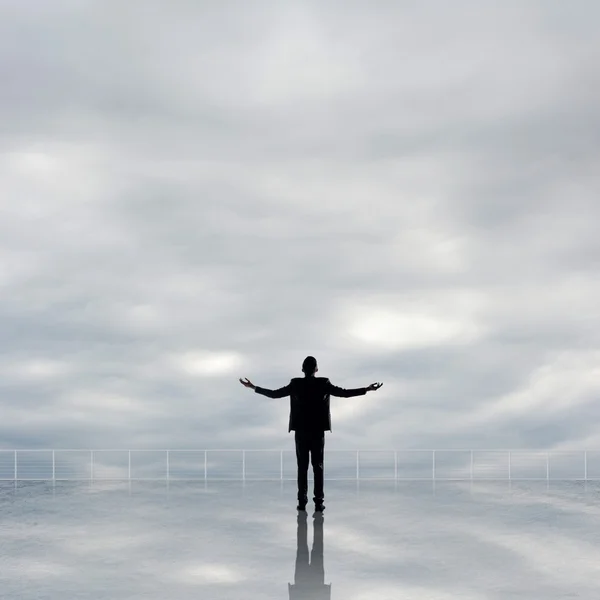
376 541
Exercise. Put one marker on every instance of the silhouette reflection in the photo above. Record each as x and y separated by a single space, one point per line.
309 578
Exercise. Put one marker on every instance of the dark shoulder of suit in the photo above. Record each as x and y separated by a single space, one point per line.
312 383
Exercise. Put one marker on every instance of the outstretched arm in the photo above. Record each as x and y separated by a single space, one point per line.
280 393
334 390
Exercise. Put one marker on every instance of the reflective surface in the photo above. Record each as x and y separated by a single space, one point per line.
376 540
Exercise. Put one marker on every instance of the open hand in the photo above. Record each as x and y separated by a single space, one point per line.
374 386
247 383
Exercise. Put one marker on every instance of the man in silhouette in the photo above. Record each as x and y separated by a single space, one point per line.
310 417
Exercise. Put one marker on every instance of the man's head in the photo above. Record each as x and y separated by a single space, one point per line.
309 366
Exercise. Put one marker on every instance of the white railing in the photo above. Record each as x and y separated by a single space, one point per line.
245 465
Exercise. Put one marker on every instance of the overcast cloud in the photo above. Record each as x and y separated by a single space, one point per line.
193 192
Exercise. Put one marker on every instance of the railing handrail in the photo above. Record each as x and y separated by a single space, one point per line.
166 464
526 450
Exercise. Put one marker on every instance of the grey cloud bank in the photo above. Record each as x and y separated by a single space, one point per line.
197 192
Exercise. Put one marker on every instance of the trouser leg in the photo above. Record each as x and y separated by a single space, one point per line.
317 451
302 458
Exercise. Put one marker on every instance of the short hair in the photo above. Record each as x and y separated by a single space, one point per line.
309 365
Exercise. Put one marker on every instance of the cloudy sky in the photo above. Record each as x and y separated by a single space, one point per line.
194 192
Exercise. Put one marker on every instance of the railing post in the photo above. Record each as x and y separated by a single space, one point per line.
585 465
471 465
53 466
92 465
16 467
243 465
396 465
205 465
281 465
433 466
167 465
129 465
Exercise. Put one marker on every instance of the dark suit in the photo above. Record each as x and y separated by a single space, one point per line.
310 417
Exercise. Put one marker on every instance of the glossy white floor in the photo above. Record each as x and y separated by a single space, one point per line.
379 540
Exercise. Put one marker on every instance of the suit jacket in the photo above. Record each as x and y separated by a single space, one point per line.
309 401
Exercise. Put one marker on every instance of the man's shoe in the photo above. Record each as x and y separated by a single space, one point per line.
301 506
319 507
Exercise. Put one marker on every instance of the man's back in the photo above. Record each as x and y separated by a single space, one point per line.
309 402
